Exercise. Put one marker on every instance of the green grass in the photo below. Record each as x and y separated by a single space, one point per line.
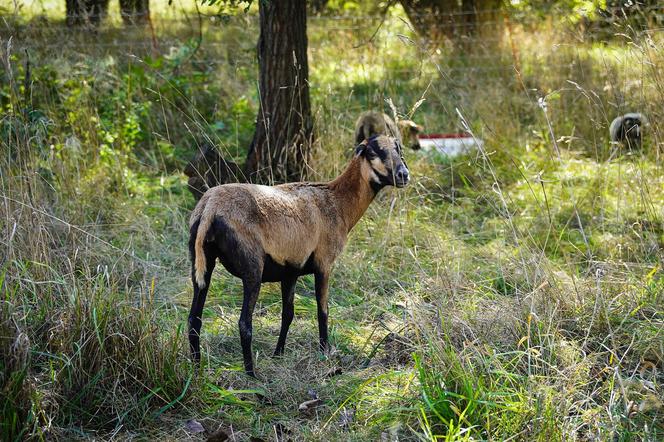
510 294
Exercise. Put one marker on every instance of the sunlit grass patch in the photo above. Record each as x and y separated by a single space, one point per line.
509 293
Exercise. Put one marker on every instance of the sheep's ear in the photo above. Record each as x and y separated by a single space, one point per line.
414 127
359 150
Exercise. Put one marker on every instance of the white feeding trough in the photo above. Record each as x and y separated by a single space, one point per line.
450 145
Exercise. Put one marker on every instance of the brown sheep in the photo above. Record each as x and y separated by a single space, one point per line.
276 234
373 123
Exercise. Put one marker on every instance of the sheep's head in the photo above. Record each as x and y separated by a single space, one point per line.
384 163
410 133
632 128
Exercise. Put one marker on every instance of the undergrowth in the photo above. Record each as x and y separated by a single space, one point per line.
513 293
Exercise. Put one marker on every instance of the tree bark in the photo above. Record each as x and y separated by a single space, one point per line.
135 12
86 12
208 169
282 141
455 20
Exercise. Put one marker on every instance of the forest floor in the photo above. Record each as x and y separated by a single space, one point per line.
513 293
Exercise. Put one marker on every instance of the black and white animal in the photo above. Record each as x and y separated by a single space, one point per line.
373 123
628 129
276 234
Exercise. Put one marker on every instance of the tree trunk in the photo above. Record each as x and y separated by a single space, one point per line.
135 12
282 141
469 23
86 12
208 169
433 19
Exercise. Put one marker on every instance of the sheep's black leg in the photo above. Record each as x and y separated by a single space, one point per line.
197 304
251 287
287 312
322 279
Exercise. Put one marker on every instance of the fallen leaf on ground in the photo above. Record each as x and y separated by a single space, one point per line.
218 436
309 405
193 426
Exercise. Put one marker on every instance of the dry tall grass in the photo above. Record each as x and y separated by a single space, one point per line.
511 294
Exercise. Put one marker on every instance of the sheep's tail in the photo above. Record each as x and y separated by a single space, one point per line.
200 262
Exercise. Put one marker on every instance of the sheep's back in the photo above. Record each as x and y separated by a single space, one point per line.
287 222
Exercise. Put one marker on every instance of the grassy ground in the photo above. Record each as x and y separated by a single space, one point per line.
515 293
